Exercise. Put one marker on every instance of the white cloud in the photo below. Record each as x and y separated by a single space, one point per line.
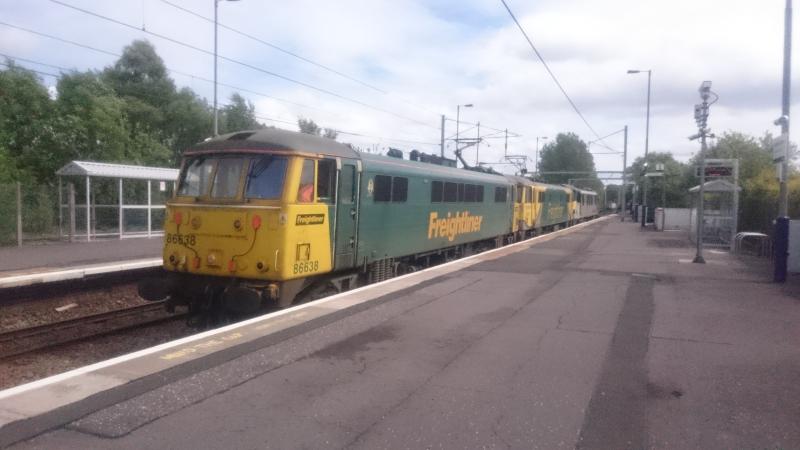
431 55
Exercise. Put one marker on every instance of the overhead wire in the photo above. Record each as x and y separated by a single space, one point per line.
295 55
183 74
550 72
242 63
31 70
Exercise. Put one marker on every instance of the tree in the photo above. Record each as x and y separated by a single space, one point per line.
330 133
189 121
566 153
26 114
239 115
308 126
91 120
140 73
673 186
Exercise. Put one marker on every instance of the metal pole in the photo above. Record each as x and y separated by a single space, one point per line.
121 209
782 222
458 122
783 205
663 198
536 158
149 210
71 203
216 111
624 166
478 144
505 147
441 141
88 210
19 214
60 211
647 123
644 201
698 258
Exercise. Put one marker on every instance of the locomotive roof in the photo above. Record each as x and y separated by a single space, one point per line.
275 139
408 167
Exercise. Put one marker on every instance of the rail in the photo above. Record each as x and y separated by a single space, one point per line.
28 339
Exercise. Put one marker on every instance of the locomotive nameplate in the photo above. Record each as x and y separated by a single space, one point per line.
310 219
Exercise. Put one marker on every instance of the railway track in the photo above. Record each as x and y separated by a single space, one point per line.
24 340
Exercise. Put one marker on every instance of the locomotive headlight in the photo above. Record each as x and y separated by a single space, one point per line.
237 224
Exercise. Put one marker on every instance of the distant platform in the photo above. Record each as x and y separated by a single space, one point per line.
51 262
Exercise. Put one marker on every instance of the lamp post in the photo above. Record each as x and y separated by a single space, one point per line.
216 110
458 119
536 162
646 135
647 124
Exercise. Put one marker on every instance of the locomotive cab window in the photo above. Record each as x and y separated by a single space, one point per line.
196 177
326 180
305 191
479 193
265 177
227 177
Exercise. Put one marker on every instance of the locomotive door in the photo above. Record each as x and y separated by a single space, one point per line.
346 217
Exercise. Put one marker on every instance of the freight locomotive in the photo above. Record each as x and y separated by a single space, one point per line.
268 218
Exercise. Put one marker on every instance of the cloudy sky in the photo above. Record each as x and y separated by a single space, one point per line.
403 63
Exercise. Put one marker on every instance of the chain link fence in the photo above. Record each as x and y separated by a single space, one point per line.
33 206
36 208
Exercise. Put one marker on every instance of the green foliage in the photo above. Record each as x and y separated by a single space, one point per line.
25 114
567 153
673 186
308 126
141 74
239 115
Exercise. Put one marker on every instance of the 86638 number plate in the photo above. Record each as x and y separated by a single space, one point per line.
180 239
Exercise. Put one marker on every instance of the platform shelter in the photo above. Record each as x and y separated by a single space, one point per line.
114 199
720 212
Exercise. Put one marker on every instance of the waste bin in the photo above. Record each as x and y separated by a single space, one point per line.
659 219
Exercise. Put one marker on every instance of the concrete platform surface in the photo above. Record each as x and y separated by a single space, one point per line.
603 337
60 255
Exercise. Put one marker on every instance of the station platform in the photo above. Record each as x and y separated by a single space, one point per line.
52 262
597 336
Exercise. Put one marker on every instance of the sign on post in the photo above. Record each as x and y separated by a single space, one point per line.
779 148
716 169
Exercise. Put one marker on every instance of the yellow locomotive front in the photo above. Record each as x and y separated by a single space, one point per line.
245 228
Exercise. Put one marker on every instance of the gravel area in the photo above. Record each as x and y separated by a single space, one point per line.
38 312
40 364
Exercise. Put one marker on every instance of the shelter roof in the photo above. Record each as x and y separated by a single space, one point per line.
108 170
